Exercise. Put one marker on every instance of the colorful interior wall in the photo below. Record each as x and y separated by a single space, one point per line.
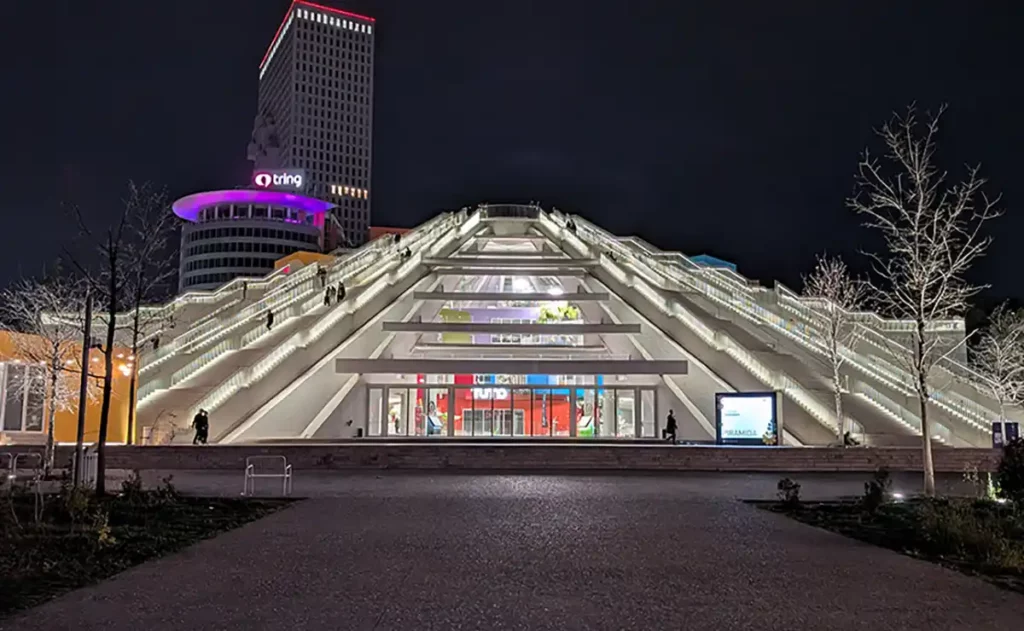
546 413
550 412
455 315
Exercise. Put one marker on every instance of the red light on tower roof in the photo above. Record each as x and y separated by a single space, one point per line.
311 5
333 10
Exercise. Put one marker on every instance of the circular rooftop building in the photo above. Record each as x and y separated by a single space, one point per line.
241 232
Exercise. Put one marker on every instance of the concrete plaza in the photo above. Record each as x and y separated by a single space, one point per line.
451 551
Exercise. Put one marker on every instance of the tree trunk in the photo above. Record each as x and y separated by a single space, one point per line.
131 406
52 414
929 468
108 367
83 389
108 376
922 397
837 387
135 362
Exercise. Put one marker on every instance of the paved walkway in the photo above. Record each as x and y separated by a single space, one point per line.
747 486
531 552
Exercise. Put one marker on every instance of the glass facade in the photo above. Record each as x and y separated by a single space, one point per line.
22 401
492 409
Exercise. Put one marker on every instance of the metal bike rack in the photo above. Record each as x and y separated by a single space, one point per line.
25 459
267 469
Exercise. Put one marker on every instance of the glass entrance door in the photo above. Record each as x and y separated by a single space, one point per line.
398 411
435 419
586 413
625 413
375 424
647 411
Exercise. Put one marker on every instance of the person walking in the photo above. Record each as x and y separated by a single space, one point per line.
270 320
670 428
341 291
321 273
201 423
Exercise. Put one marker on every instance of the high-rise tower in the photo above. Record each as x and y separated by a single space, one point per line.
316 111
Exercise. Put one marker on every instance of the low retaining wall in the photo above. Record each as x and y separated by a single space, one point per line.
539 457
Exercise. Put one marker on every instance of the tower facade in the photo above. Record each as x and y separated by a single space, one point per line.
315 112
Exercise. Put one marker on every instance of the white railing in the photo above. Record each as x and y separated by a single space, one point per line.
282 304
900 414
300 300
298 285
430 234
967 410
973 411
718 340
749 308
164 314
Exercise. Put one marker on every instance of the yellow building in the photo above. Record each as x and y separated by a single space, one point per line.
302 258
26 394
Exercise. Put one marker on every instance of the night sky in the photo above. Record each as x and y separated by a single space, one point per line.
729 128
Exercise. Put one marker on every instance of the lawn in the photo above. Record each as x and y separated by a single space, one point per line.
72 539
978 537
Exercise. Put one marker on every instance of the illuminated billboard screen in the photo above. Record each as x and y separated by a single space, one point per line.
746 418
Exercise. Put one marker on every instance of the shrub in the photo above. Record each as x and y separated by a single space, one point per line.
789 492
76 503
876 490
1010 474
166 492
975 479
975 532
101 530
133 493
131 489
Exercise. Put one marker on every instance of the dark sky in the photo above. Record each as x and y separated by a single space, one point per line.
731 128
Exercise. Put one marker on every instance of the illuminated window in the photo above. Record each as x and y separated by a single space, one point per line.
369 30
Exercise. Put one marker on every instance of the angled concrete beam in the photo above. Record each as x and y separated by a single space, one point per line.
512 367
603 328
496 296
504 254
526 272
505 348
526 237
510 262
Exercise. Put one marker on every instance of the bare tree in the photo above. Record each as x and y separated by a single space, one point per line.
933 234
111 279
999 356
148 267
44 333
841 294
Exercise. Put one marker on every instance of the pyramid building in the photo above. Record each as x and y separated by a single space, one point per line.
513 321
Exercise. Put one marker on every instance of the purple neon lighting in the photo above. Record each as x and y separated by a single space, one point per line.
188 207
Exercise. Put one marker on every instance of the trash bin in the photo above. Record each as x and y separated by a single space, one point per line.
359 432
